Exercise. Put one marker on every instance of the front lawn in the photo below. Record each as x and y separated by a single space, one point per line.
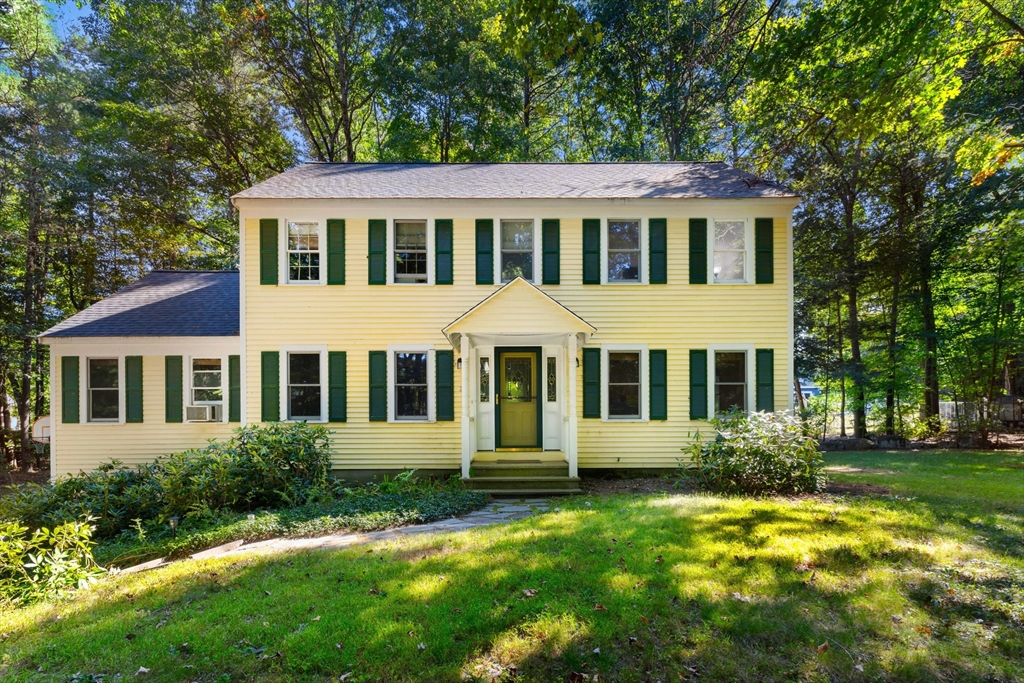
924 584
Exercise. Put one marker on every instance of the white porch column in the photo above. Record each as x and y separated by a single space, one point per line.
570 446
467 368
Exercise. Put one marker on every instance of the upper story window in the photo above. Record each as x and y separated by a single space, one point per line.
518 245
624 251
104 397
303 244
730 253
410 252
304 387
730 380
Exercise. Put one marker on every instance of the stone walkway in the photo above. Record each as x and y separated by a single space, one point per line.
499 511
495 512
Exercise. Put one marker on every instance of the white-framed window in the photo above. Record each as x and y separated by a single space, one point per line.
623 251
304 383
517 248
624 380
206 383
410 257
730 258
103 389
303 253
731 369
411 383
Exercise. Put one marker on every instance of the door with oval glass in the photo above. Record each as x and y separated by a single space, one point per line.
518 414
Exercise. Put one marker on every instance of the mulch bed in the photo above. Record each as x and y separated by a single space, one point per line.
19 477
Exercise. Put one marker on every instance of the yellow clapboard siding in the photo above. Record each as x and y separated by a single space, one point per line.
358 318
82 447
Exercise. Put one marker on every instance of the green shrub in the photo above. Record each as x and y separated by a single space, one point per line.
260 466
756 454
49 563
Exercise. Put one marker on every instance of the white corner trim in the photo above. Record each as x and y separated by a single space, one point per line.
320 349
748 245
748 349
644 381
431 386
644 254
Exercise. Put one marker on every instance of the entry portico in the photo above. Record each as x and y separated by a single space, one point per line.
518 352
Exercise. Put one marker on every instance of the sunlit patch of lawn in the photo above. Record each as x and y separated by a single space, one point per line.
921 585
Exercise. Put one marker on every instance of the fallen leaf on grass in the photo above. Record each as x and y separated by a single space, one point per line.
316 618
859 668
823 647
345 677
598 607
421 646
597 650
530 592
129 637
142 670
896 618
741 597
633 640
644 619
659 560
267 593
923 629
340 646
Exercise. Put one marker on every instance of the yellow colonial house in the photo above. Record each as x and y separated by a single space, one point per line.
515 323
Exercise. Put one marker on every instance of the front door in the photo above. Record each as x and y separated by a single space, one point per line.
517 399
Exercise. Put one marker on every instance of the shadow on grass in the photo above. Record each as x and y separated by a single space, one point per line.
631 589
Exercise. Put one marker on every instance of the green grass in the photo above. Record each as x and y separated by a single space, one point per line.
927 584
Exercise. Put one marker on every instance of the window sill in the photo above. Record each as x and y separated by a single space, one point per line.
303 283
734 282
631 283
414 421
623 419
102 422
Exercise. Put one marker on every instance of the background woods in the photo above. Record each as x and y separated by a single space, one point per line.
902 124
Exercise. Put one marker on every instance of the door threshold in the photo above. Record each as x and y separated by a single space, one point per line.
525 449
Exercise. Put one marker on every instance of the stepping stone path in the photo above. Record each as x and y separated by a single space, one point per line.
498 511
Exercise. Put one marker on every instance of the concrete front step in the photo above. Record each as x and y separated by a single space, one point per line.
519 470
524 484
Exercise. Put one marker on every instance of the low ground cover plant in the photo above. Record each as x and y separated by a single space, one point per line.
754 454
45 563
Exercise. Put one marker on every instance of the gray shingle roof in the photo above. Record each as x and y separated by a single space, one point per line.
669 180
165 303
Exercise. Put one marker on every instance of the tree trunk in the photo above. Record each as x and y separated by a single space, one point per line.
890 390
842 370
930 406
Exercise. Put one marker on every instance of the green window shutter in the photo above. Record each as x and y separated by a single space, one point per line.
270 386
550 266
591 251
337 386
234 389
445 385
133 389
69 395
378 252
698 384
173 395
698 251
657 245
484 251
591 382
378 386
335 251
764 252
658 366
268 251
443 263
765 372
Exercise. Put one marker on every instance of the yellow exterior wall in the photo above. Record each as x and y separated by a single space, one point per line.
82 447
358 318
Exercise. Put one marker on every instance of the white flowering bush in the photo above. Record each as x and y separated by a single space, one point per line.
754 454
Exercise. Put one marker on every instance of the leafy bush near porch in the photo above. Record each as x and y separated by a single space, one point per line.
260 466
47 563
755 454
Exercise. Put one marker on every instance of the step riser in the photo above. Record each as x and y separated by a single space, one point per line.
525 484
479 472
